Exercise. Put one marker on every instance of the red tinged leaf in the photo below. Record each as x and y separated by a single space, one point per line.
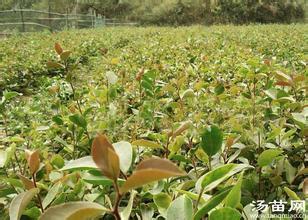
33 159
283 83
151 170
105 157
58 48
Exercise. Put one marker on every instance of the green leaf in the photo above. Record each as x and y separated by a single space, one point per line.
162 200
226 213
234 196
213 178
146 212
192 196
57 161
125 214
290 171
9 95
267 156
180 209
146 143
74 211
211 140
78 120
98 179
219 89
125 152
213 202
291 193
51 195
20 202
33 213
84 163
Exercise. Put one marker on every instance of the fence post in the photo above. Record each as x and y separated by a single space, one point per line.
66 21
49 16
23 29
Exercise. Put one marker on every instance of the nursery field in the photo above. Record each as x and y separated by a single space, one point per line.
150 123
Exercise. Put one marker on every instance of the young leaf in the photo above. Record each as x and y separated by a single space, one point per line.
234 197
267 156
64 55
180 209
125 152
33 159
20 202
74 211
225 213
58 48
27 182
291 193
146 143
211 140
151 170
105 157
210 204
54 65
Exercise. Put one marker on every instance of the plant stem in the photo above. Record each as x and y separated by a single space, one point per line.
115 211
38 195
80 111
198 200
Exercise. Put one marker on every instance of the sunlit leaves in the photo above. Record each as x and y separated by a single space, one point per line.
20 202
150 170
211 140
74 211
125 152
105 157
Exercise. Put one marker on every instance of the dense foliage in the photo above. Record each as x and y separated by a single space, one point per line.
152 123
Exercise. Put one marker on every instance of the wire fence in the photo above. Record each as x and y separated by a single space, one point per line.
29 20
